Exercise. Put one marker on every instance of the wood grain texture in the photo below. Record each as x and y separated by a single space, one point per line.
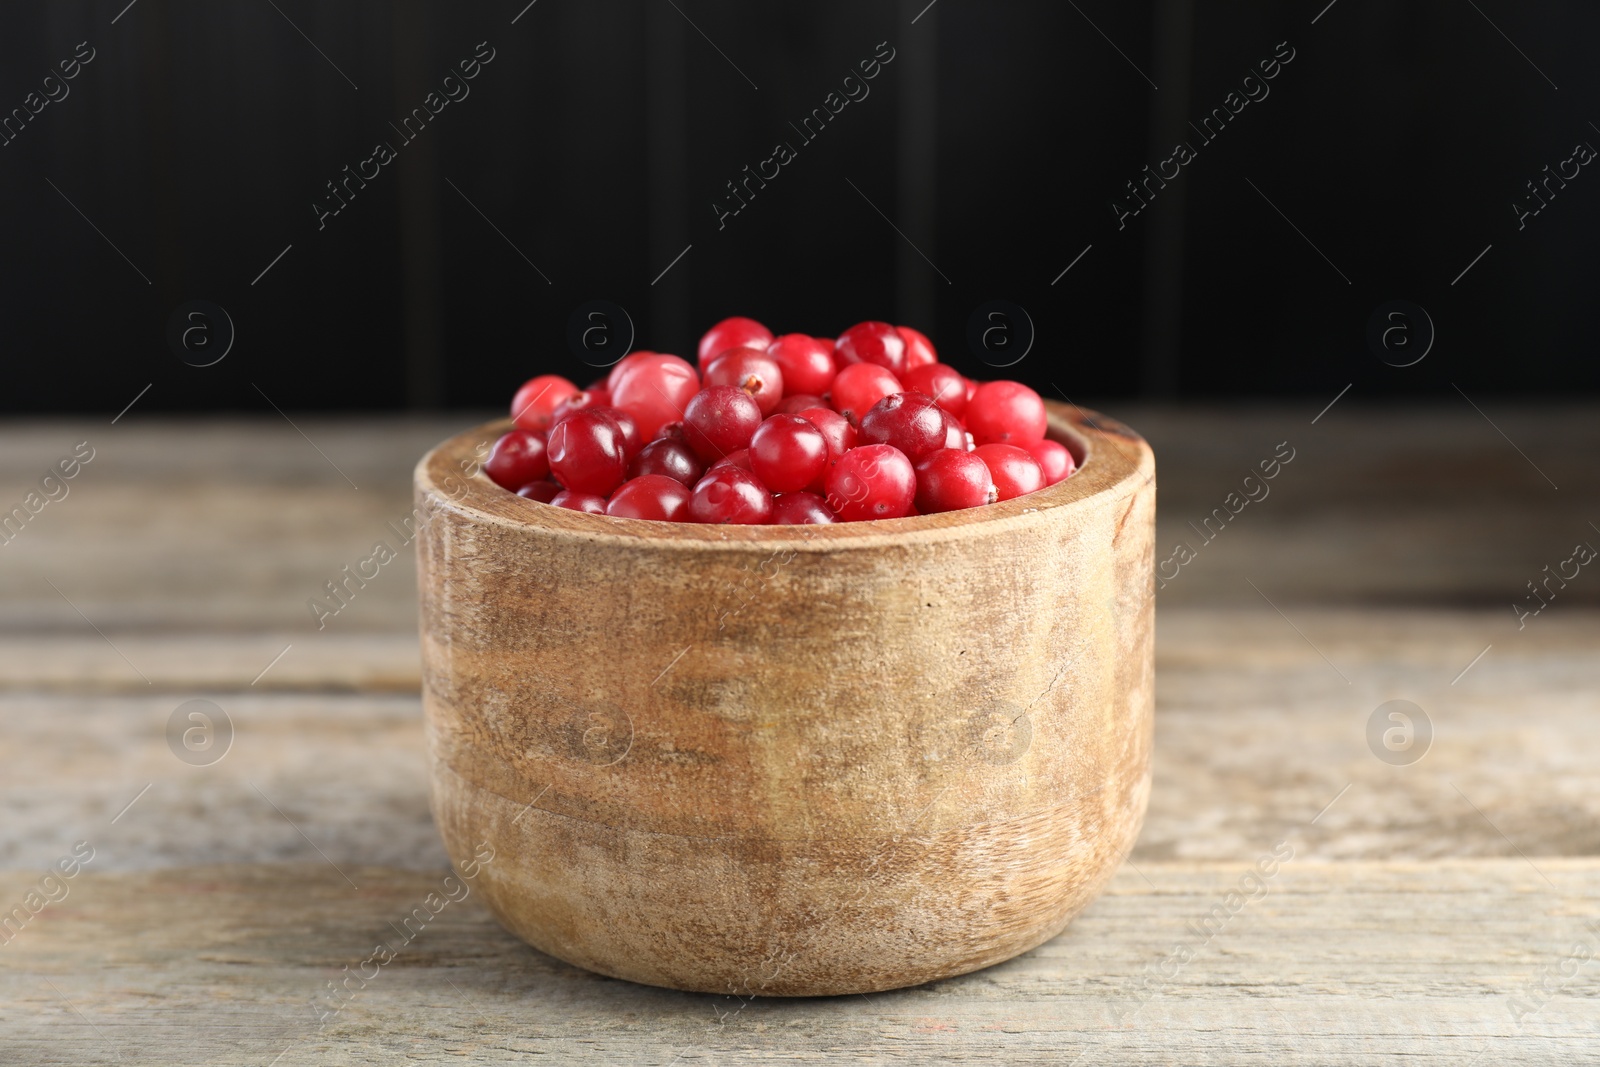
792 760
1328 965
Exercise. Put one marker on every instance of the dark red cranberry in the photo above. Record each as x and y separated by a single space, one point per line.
729 494
650 496
800 509
586 453
872 482
673 458
720 419
586 502
542 491
911 422
795 403
516 459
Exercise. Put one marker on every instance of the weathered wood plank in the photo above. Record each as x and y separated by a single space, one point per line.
1330 964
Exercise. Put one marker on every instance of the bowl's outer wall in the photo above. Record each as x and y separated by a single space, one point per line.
832 767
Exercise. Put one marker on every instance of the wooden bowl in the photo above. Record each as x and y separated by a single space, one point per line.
786 760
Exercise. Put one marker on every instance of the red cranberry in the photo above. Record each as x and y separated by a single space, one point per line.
1014 471
871 342
948 480
531 408
859 386
955 436
919 350
730 495
800 509
738 458
586 453
972 387
670 431
625 365
806 363
795 403
1005 413
587 502
788 453
655 391
842 437
736 332
945 384
872 482
751 370
673 458
580 401
632 440
517 459
650 496
1054 460
543 491
911 422
719 420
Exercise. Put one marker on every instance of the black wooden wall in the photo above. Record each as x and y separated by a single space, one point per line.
587 153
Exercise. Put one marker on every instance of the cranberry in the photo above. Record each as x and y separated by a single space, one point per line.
1005 413
531 408
719 420
972 387
625 365
795 403
872 482
517 459
542 491
911 422
751 370
945 384
842 437
919 350
650 496
1015 472
800 509
729 494
1054 460
580 401
871 342
948 479
586 453
859 386
632 440
670 431
736 332
673 458
806 363
588 502
738 458
955 436
655 391
788 453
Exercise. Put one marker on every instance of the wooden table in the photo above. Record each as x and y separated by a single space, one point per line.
1442 910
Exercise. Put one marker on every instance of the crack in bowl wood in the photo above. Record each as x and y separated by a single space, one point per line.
791 761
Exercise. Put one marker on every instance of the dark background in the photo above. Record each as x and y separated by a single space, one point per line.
594 143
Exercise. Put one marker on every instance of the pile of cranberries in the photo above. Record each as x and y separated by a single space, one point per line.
778 430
